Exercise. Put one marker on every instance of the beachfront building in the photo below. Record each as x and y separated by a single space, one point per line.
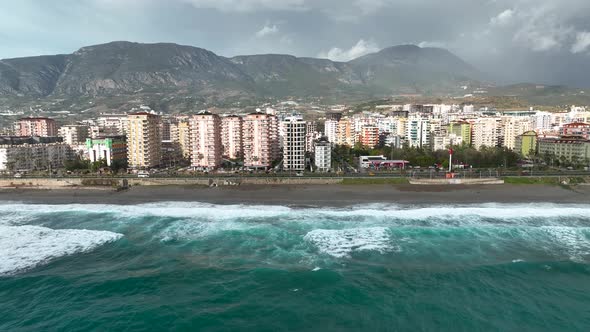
487 132
39 126
294 144
111 149
73 134
323 155
514 127
180 137
260 140
526 144
31 157
144 142
574 149
206 147
231 136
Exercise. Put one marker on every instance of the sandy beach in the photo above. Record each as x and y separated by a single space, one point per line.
309 195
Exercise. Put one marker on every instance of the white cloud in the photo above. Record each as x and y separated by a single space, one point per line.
434 44
249 5
267 30
361 48
503 19
582 42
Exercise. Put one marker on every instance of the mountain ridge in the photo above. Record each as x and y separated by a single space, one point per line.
123 67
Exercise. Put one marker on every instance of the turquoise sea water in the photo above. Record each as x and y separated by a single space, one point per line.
203 267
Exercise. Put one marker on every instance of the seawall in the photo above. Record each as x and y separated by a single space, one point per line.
456 181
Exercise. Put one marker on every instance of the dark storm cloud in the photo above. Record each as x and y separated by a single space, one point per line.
517 39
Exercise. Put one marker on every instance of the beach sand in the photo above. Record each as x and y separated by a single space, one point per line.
309 195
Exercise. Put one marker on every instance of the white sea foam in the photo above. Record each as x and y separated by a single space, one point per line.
576 244
25 247
341 243
403 215
163 209
190 229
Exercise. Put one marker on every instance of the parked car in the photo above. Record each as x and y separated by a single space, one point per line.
143 175
18 175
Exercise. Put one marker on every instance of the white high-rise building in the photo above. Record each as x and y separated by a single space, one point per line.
73 134
113 124
294 144
418 132
323 155
487 132
331 130
541 122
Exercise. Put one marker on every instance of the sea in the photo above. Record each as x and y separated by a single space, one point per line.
189 266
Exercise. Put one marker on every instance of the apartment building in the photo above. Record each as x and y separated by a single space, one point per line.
231 136
323 155
39 126
144 141
569 148
514 127
576 129
418 132
111 149
345 134
311 135
461 129
113 124
73 134
206 147
294 144
31 157
369 136
526 144
487 132
260 139
331 130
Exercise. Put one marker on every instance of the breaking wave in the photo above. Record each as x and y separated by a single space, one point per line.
26 247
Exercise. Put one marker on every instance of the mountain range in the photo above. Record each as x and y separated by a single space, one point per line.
126 68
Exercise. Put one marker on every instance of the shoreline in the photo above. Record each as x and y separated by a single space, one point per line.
308 195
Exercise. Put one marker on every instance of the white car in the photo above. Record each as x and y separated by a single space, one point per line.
143 175
18 175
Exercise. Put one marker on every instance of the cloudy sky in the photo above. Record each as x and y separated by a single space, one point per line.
545 41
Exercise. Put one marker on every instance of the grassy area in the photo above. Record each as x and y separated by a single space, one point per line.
361 181
544 180
531 180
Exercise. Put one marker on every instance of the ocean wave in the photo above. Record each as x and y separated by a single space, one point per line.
545 214
341 243
26 247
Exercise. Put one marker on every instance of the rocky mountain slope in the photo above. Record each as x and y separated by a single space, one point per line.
124 68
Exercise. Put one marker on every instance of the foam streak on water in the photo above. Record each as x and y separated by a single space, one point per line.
25 247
